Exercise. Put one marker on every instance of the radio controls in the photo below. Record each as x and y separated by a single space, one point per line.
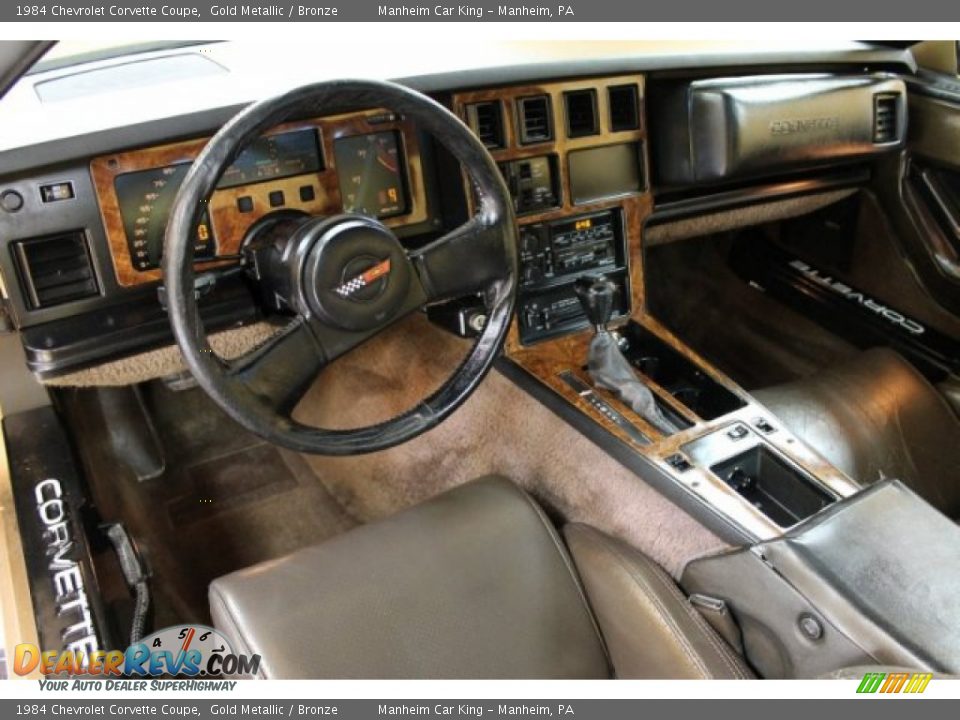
549 251
552 256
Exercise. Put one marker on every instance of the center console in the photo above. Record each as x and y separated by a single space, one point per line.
574 157
822 578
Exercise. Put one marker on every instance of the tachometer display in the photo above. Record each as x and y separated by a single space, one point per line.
370 171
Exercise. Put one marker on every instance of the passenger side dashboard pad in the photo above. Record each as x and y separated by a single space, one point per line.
710 131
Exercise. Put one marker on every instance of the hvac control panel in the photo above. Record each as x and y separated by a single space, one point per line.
552 256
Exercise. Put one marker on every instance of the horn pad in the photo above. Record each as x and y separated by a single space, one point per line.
356 275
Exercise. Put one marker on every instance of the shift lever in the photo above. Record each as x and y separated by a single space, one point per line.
608 368
595 293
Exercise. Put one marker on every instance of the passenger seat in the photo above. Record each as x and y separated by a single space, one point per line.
876 417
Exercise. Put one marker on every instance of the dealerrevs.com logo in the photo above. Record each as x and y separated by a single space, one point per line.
189 651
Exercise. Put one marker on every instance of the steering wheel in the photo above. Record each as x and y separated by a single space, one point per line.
341 279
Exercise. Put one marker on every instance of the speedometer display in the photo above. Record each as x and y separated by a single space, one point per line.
370 171
145 198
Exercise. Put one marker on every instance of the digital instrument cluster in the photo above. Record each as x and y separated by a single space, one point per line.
369 167
146 196
370 170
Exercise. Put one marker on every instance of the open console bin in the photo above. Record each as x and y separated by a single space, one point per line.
873 579
761 475
677 374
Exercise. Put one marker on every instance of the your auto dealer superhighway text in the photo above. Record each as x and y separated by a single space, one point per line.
174 11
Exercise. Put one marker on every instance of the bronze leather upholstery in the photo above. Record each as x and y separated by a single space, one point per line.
876 417
651 629
475 583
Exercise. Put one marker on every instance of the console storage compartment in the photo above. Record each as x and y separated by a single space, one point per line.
777 489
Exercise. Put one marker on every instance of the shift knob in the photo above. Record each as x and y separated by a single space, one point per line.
595 293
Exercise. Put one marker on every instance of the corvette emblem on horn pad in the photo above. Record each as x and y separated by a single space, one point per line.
368 276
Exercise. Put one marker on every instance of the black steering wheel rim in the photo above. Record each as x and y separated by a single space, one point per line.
494 221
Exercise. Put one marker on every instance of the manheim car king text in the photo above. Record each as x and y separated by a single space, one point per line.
471 11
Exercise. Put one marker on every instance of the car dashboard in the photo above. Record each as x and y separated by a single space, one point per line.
582 154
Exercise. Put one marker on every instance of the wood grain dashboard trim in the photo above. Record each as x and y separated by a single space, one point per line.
230 225
636 207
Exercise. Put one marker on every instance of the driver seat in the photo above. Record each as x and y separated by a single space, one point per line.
475 583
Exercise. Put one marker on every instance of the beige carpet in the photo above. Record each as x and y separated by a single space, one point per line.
500 429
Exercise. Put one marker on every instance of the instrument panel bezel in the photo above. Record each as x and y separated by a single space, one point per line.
228 223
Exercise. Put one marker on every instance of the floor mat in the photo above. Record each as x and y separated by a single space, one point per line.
228 482
227 500
867 257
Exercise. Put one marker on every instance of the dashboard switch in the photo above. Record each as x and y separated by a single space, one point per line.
56 191
382 118
738 432
11 201
245 204
307 193
764 426
277 199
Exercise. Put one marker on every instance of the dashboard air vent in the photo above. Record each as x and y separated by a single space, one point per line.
486 119
581 108
624 108
56 269
885 117
535 121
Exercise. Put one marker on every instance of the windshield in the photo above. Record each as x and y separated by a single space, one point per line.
65 93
